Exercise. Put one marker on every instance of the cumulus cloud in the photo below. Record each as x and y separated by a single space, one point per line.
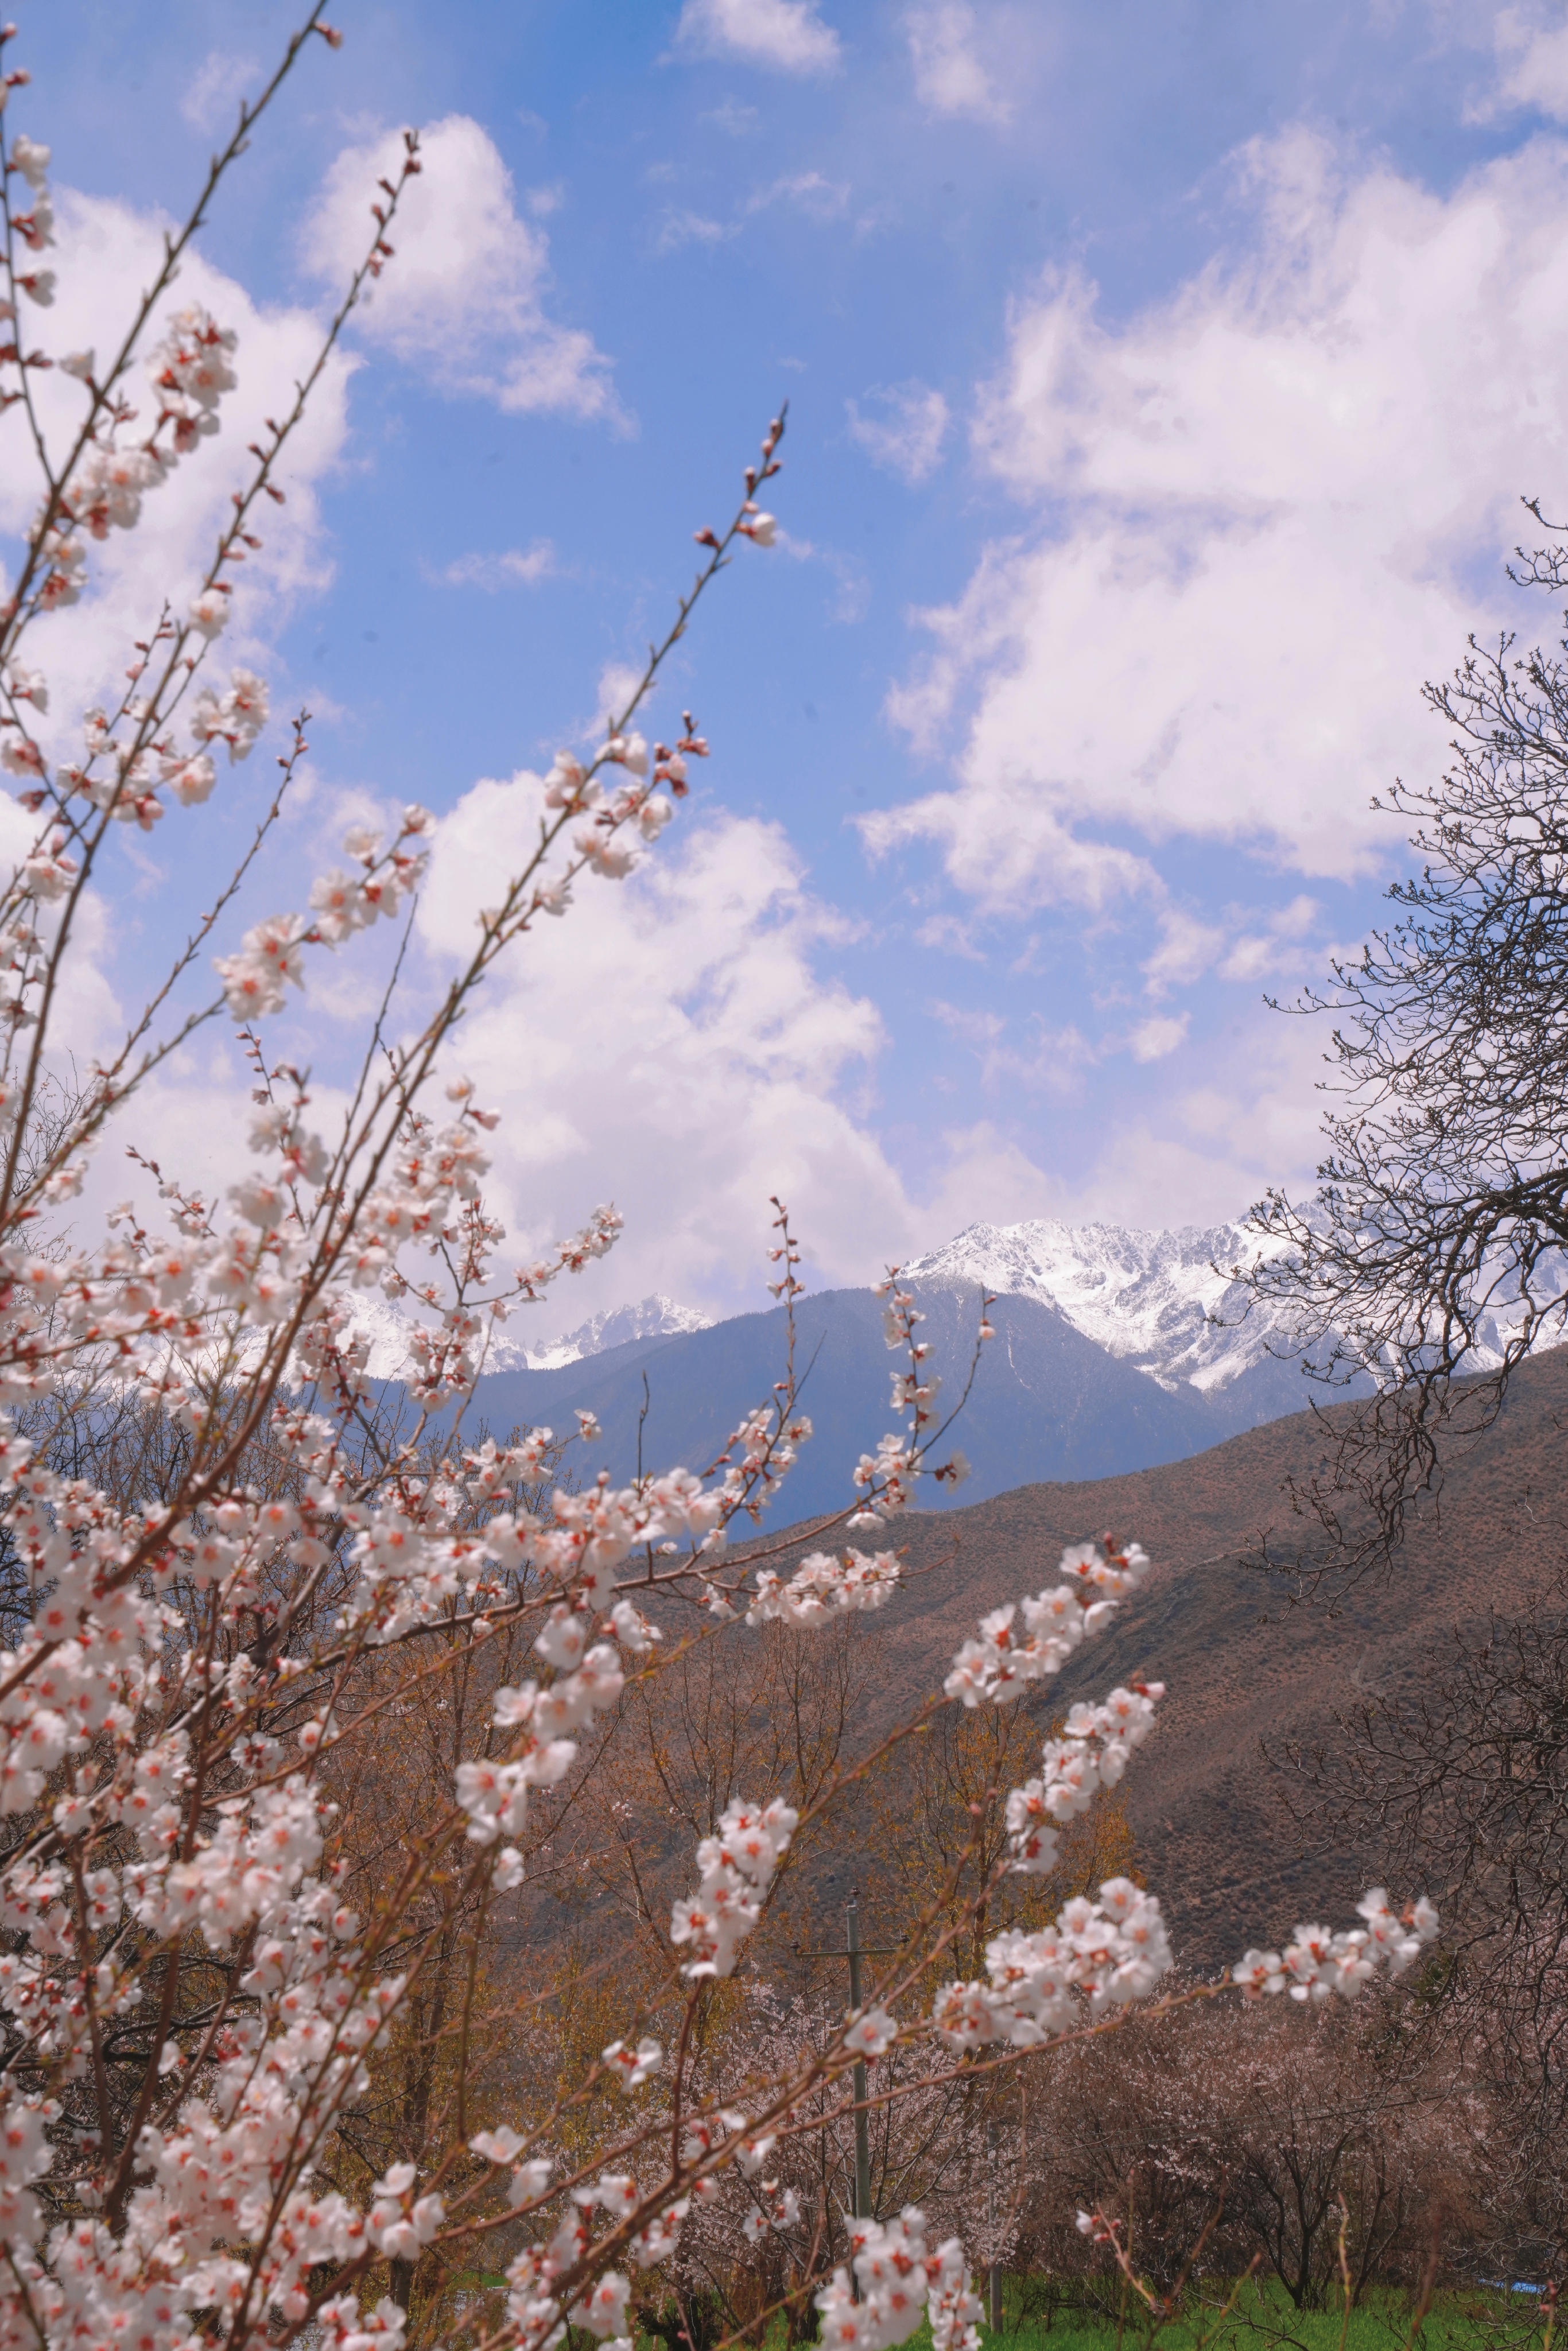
1254 517
723 1068
1186 948
949 75
465 299
906 429
787 35
1273 946
1198 1137
617 681
125 934
106 253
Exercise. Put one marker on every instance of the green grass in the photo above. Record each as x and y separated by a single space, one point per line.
1262 2318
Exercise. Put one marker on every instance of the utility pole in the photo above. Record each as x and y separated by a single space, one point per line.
854 1953
994 2278
863 2131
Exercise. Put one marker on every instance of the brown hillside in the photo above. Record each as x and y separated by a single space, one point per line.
1243 1664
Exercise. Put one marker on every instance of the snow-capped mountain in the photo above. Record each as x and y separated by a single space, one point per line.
656 1317
1145 1297
1156 1300
387 1328
375 1318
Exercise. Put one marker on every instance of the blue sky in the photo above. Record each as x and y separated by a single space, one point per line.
1163 381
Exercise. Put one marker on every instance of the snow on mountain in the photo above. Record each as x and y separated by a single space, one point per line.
656 1317
1148 1297
387 1328
375 1318
1145 1297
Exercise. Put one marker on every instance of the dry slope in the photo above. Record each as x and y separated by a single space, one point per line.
1245 1665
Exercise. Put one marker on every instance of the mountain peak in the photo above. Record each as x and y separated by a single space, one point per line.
1153 1297
654 1317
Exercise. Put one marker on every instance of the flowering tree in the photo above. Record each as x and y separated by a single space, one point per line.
261 2069
1322 2147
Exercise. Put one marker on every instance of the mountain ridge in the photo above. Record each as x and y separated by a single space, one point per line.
1047 1401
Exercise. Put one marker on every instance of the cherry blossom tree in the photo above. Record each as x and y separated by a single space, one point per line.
271 2047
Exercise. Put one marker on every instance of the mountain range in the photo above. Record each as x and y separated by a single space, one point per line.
1104 1361
1107 1401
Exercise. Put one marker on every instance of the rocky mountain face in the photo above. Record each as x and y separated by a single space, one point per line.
1171 1301
1168 1303
1166 1308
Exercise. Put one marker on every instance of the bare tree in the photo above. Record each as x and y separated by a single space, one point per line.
1467 1766
1432 1257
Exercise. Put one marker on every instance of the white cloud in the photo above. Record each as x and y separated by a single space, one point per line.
617 681
1186 948
720 1065
1532 65
962 1022
1153 1038
1276 946
949 935
1264 505
678 229
906 437
106 253
131 927
807 192
464 300
516 567
1176 1154
852 585
787 35
211 95
948 77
